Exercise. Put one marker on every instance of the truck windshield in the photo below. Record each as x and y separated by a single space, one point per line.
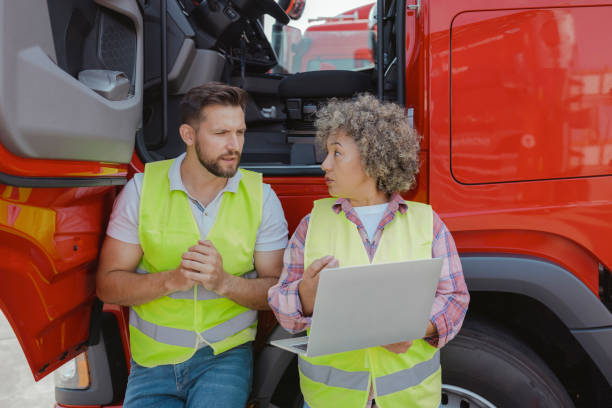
327 37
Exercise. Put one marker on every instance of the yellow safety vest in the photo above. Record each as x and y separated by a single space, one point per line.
166 330
412 379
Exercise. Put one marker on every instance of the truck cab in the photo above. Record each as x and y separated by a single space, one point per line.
513 100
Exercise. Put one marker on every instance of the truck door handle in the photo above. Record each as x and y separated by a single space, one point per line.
416 7
113 85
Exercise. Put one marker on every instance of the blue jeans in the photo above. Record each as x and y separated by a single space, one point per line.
205 380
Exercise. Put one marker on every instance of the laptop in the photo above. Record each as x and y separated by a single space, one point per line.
369 305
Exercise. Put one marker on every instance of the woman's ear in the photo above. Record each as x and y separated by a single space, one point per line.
188 134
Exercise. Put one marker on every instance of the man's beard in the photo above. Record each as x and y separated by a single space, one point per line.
213 165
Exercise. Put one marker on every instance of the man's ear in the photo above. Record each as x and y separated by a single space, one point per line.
188 134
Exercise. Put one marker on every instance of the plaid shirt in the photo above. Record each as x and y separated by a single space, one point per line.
450 302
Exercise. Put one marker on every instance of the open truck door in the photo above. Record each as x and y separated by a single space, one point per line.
70 106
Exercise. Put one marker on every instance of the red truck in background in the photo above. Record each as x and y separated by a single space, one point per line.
514 102
339 42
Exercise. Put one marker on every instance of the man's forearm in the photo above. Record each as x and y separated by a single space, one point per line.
131 289
251 293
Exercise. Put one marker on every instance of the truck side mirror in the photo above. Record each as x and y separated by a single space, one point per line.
294 9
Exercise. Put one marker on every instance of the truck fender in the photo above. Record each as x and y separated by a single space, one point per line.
556 288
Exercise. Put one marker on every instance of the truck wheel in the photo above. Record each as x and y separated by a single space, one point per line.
486 366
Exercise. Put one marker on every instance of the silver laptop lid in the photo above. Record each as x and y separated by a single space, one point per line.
371 305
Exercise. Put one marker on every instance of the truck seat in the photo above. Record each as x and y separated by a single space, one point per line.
303 93
324 84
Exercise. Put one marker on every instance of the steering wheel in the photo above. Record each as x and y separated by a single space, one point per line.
273 9
256 8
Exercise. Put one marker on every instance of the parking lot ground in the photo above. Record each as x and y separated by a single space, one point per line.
17 386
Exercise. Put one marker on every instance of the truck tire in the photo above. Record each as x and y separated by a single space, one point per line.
486 366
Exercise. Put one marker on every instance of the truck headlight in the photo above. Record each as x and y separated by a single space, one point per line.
74 374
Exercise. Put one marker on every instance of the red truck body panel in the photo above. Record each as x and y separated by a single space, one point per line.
50 242
25 167
508 172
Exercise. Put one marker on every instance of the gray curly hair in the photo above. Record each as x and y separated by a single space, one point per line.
388 145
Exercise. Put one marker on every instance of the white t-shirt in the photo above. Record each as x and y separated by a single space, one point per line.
123 224
370 216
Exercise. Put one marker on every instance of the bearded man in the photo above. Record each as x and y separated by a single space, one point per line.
192 247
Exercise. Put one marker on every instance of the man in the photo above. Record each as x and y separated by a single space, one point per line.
192 247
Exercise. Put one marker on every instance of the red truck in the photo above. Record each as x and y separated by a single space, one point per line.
514 102
340 42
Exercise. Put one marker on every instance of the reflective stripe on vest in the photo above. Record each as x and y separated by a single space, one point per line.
410 377
188 338
359 380
202 292
334 377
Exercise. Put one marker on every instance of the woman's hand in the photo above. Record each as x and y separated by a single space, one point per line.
310 281
398 348
403 346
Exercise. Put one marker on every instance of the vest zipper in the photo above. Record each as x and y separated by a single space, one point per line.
195 319
370 363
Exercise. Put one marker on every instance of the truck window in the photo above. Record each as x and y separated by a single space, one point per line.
323 39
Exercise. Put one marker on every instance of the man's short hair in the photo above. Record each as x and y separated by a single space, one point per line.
211 93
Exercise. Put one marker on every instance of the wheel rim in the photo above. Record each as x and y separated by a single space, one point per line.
457 397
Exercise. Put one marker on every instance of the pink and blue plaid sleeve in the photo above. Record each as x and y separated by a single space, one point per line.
452 297
283 297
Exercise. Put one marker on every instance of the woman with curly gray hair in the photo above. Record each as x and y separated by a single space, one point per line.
386 143
372 155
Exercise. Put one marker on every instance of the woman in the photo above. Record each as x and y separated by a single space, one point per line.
372 155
